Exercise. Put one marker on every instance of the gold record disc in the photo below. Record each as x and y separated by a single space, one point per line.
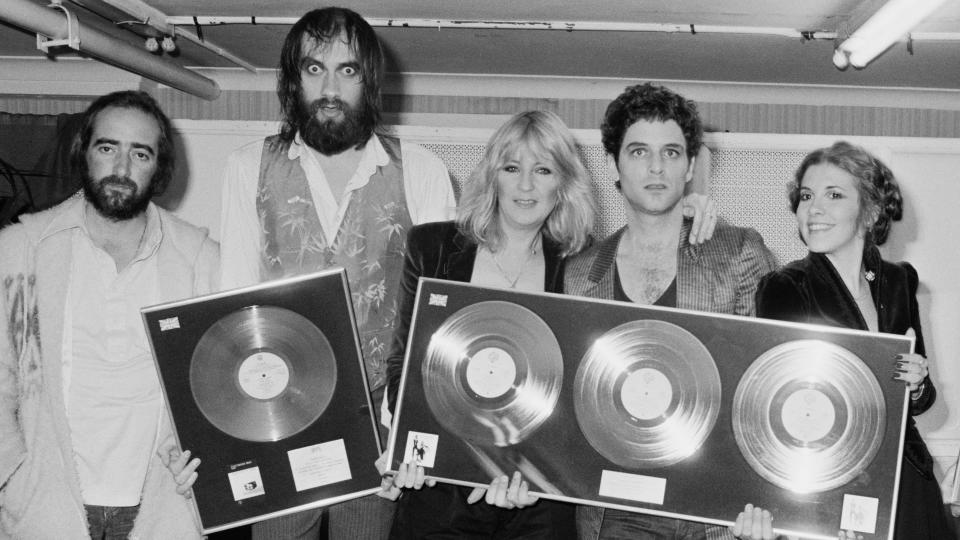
647 394
492 373
262 373
808 416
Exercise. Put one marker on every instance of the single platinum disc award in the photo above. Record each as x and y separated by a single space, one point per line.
266 385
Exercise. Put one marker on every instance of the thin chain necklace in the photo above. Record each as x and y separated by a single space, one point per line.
503 273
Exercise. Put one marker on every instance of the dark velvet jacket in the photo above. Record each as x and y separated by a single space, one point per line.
811 290
439 250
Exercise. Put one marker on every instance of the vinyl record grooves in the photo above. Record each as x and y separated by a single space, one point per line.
808 416
492 373
262 373
647 394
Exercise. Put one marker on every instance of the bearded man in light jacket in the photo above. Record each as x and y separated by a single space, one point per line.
82 421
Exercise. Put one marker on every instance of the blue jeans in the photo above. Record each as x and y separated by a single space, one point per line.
110 522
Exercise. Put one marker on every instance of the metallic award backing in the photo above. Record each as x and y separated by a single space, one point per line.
281 367
661 411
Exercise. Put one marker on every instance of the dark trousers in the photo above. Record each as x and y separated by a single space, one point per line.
442 512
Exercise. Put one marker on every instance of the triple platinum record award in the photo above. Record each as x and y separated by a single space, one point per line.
266 385
653 410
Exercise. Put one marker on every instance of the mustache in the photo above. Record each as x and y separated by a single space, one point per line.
334 102
123 181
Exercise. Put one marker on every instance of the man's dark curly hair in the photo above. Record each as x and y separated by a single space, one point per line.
652 103
138 101
323 26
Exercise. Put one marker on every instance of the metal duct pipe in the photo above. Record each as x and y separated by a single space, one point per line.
150 16
121 54
565 26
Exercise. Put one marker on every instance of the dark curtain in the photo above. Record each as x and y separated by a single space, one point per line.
34 162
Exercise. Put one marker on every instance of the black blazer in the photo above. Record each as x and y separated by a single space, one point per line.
810 290
439 250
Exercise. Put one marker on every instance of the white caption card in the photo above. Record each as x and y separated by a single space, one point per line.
635 487
859 514
319 465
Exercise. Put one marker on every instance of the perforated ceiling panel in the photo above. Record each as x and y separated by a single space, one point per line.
749 186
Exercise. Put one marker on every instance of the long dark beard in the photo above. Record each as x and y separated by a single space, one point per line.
330 136
114 205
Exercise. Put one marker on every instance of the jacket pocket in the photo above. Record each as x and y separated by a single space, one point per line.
37 502
15 498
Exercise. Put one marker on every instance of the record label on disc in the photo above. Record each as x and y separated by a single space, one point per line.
808 415
491 372
263 375
646 393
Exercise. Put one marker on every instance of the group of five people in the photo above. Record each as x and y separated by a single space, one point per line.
85 445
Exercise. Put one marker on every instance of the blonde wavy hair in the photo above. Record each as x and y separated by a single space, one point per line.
543 133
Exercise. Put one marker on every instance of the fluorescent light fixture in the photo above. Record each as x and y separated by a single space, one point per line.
890 23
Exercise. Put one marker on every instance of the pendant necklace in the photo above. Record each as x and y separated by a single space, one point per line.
503 273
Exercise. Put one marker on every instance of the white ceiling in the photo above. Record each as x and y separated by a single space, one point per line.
641 55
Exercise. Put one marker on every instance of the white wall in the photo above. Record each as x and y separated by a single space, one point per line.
202 150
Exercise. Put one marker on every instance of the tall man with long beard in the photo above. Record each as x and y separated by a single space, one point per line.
332 190
83 432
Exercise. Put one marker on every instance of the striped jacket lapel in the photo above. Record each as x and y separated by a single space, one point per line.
693 283
600 278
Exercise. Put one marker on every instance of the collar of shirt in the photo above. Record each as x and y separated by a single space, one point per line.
331 208
74 217
374 155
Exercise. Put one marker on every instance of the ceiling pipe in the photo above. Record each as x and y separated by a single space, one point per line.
567 26
154 18
50 23
215 49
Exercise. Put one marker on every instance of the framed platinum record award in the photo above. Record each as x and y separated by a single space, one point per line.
266 385
653 410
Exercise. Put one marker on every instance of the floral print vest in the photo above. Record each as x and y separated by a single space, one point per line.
370 244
